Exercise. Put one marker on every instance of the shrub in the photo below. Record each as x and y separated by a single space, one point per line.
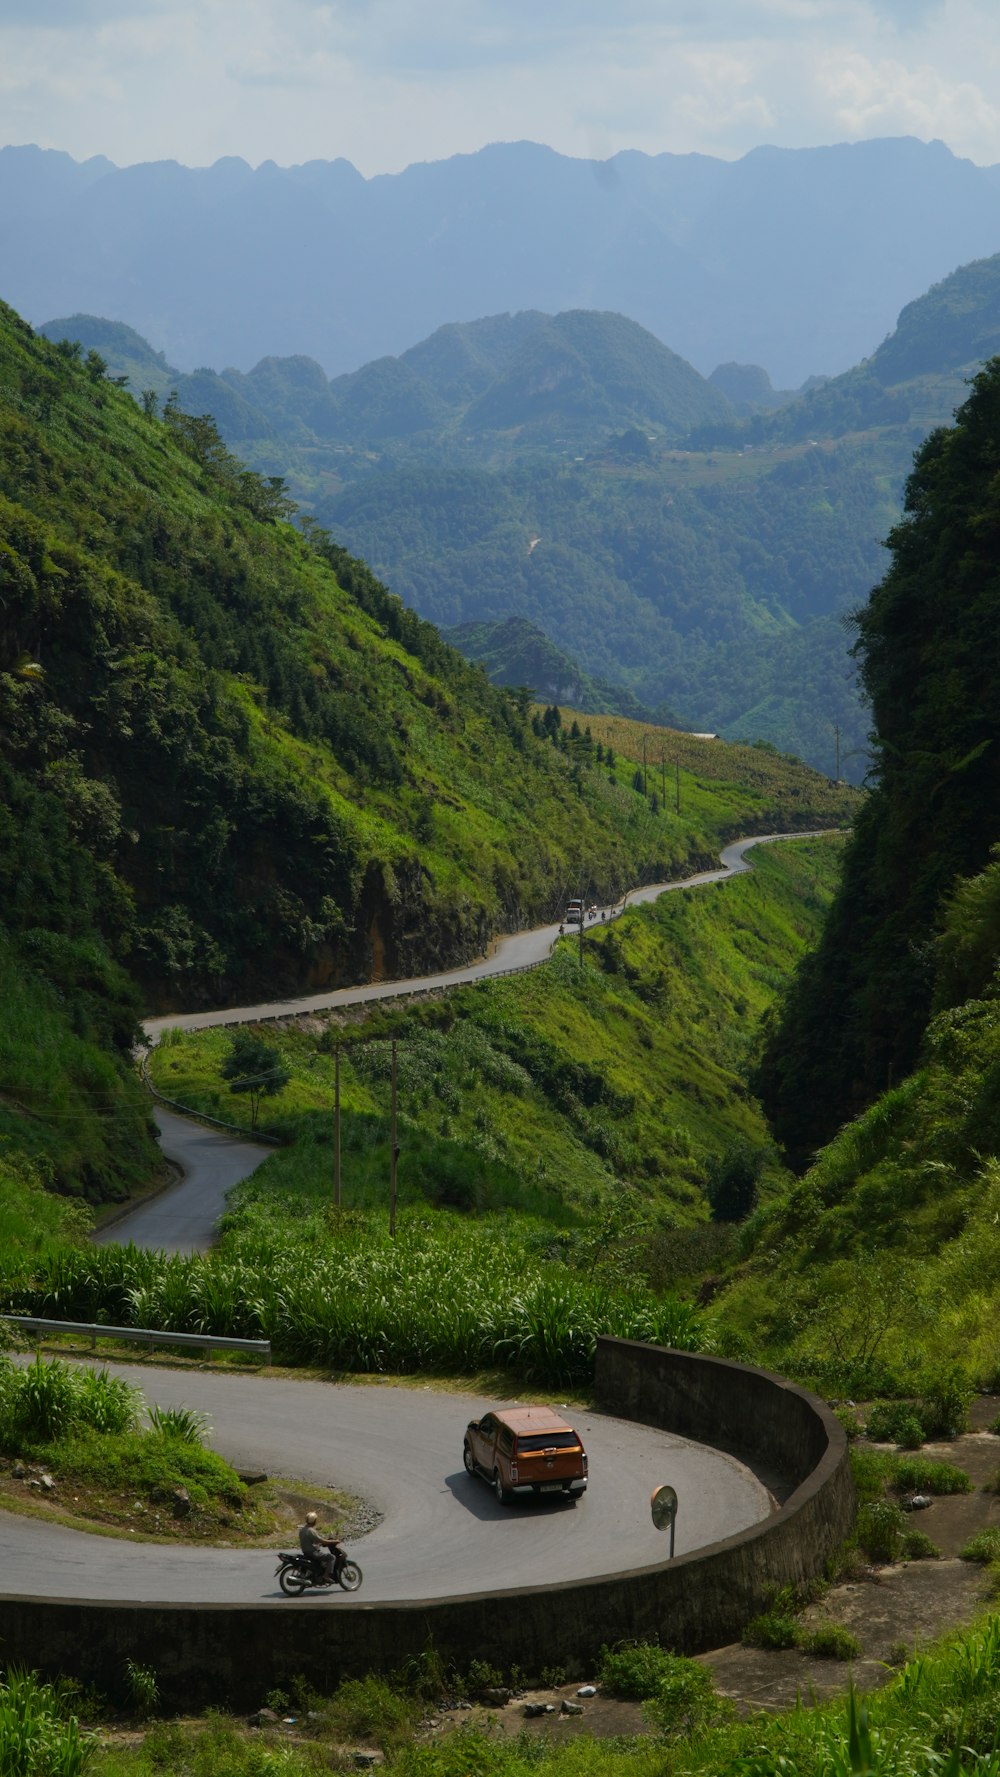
107 1403
370 1710
916 1545
984 1547
895 1422
685 1698
40 1403
634 1669
945 1397
37 1738
879 1529
831 1641
185 1424
141 1687
482 1677
774 1629
923 1474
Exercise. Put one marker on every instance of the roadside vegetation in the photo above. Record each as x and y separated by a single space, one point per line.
937 1714
563 1135
80 1446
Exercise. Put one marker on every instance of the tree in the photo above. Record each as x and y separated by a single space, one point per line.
928 649
252 1066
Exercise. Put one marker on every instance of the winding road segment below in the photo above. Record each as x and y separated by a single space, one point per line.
442 1533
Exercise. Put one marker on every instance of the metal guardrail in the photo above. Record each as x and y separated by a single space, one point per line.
33 1323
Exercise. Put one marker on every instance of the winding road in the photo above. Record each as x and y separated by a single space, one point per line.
442 1532
520 950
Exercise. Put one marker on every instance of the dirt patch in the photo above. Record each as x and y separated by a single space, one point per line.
274 1512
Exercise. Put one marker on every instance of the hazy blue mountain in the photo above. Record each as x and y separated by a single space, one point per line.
748 387
793 259
574 377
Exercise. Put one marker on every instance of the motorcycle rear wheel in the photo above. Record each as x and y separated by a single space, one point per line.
350 1576
291 1582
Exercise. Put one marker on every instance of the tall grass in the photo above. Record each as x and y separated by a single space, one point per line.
48 1400
445 1295
38 1738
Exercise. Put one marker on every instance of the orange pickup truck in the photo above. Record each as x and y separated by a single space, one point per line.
525 1450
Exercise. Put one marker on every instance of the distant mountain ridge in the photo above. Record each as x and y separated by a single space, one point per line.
767 260
579 374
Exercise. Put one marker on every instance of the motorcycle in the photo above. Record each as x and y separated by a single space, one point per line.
298 1574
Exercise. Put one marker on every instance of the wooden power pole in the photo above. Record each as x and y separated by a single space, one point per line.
393 1149
336 1127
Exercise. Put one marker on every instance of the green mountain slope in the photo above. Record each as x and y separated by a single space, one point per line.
929 646
230 762
526 463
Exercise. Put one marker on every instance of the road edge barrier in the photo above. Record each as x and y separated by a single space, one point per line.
233 1654
94 1330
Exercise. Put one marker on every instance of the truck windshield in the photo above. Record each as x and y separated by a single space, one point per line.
548 1440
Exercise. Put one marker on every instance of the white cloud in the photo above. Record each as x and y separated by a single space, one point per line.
387 82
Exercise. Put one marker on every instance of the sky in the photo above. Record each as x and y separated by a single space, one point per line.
385 83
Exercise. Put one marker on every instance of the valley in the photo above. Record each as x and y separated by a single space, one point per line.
754 1123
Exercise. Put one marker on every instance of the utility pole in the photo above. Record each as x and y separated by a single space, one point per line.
644 765
677 781
336 1126
836 735
663 776
393 1149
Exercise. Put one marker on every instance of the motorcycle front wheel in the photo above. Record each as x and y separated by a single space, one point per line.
291 1582
350 1576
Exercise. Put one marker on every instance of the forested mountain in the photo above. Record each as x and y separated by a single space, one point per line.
231 763
768 260
507 382
928 642
705 587
505 468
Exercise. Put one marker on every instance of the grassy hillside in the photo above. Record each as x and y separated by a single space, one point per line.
565 1093
567 1126
883 1261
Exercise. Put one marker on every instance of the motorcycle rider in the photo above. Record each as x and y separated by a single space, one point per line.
317 1549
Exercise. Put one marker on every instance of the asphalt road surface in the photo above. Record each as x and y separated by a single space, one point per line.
182 1218
443 1533
518 951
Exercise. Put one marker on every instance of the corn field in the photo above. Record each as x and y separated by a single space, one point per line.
452 1297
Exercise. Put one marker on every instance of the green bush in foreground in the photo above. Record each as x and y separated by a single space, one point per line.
48 1400
984 1547
38 1737
634 1669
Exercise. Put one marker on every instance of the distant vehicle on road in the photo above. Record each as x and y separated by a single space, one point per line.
525 1450
574 913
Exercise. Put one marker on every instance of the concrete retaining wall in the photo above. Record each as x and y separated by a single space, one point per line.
233 1654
